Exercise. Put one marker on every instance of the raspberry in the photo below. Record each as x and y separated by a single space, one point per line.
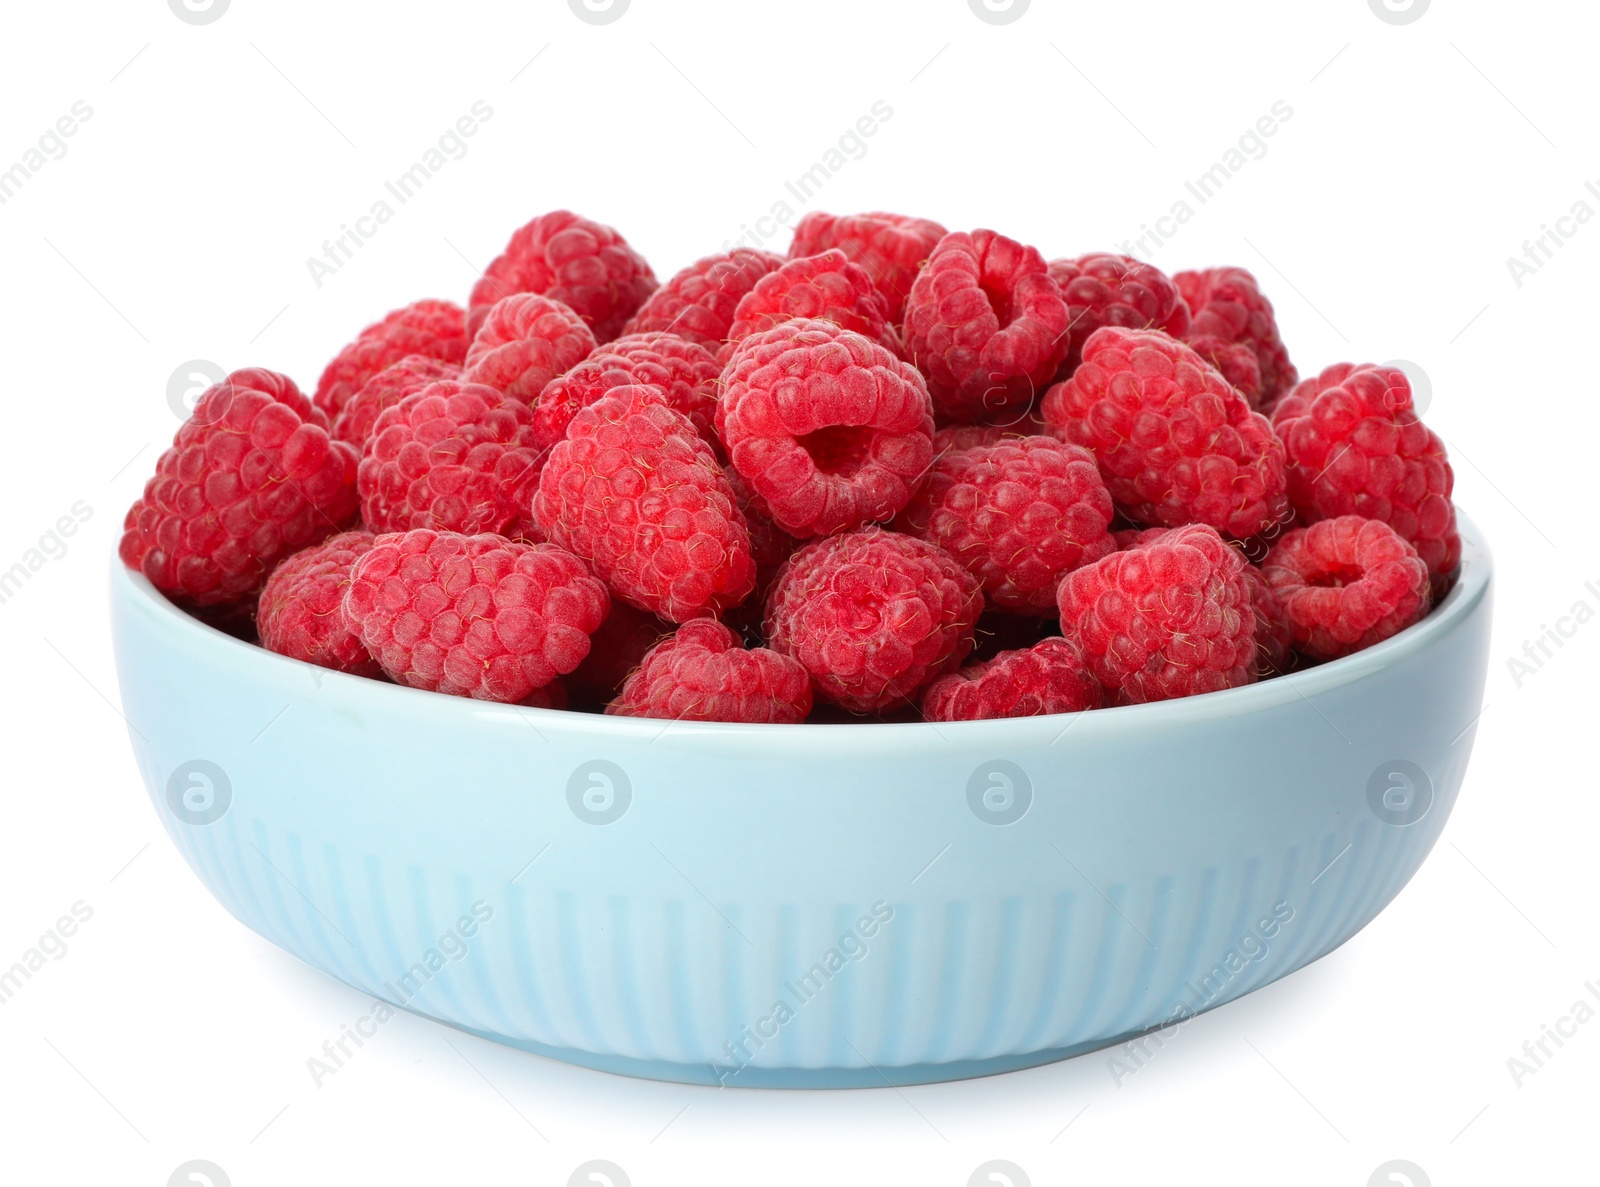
433 328
1236 360
873 616
986 325
685 371
1170 618
301 613
1102 289
385 389
250 478
1274 655
1274 634
1346 583
830 429
770 545
891 247
455 457
825 286
1176 444
614 651
636 492
526 341
1227 305
1018 515
1049 677
585 265
1356 447
702 673
473 616
699 302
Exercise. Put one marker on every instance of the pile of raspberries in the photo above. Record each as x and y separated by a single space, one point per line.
900 471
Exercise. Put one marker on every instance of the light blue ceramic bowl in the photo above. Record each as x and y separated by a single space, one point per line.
820 905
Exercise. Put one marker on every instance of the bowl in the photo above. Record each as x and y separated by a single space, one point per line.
806 905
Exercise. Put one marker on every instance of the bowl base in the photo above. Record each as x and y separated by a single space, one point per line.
793 1077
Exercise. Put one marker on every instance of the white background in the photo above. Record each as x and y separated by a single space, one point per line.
219 157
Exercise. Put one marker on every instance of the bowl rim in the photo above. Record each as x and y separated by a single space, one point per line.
1471 586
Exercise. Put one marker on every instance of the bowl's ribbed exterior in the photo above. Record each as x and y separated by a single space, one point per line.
429 855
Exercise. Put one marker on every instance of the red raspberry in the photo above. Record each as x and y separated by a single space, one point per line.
1356 447
615 650
1049 677
1274 654
1170 618
585 265
825 286
1238 363
526 341
685 371
1176 444
1274 633
301 613
830 429
1227 305
1103 289
251 477
891 247
699 302
385 389
703 673
873 615
473 616
455 457
770 545
635 491
1018 515
1346 583
986 325
433 328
